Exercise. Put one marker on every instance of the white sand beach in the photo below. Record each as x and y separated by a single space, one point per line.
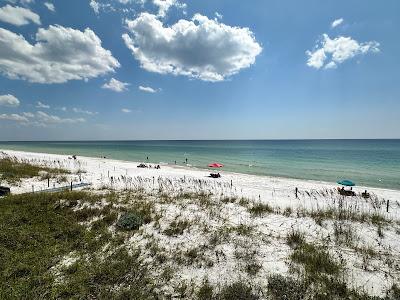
267 243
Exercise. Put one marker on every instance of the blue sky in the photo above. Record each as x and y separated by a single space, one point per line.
198 69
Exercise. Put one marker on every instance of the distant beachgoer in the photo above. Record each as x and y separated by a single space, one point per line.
186 160
175 162
296 191
147 158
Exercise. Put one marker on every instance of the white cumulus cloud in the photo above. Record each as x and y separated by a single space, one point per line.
42 105
95 6
45 118
9 100
329 53
147 89
165 5
125 110
50 6
99 7
14 117
86 112
116 85
23 2
200 48
39 118
337 22
28 114
60 54
18 15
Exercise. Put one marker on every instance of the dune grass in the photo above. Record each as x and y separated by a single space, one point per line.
13 170
81 245
36 232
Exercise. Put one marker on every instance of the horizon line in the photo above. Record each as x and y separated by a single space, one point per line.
199 140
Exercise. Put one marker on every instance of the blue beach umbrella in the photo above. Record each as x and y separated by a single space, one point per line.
346 182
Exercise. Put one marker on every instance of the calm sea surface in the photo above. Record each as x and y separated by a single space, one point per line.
367 162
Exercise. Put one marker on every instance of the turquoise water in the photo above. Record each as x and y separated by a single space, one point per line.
367 162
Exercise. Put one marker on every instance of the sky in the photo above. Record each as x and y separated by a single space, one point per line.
185 69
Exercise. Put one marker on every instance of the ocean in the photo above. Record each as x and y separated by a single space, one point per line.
374 163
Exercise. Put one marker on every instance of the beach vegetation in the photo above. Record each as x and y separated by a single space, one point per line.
12 170
177 227
130 221
260 209
286 288
205 291
228 199
315 260
344 233
237 290
243 229
339 213
287 212
295 238
37 232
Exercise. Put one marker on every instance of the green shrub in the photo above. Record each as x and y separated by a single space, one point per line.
130 221
237 291
285 288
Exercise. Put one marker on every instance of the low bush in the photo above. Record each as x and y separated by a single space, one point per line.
130 221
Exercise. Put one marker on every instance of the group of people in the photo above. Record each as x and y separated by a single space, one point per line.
149 166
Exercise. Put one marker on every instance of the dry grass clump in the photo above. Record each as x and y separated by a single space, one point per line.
261 209
295 238
177 227
13 170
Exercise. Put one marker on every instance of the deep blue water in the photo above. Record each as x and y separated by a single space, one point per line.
367 162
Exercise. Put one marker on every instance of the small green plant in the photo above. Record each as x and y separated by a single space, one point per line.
295 238
261 209
315 260
287 212
285 288
252 268
344 234
130 221
177 228
206 291
229 199
237 291
243 229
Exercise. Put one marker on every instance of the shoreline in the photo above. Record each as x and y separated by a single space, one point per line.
119 175
198 170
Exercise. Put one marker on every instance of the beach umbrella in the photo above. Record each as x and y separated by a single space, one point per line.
346 182
215 165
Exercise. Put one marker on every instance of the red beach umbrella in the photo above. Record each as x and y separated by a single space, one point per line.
215 165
